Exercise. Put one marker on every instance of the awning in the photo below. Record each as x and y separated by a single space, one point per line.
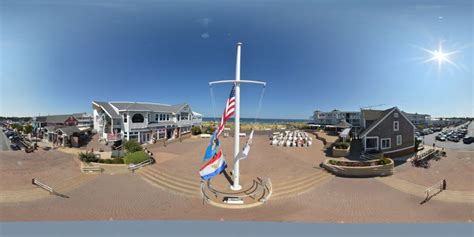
345 133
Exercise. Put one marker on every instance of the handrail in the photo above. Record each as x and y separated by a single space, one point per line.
441 185
134 167
34 181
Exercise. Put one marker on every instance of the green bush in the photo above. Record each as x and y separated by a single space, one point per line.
107 161
132 146
136 157
210 130
342 145
88 157
117 161
196 130
384 161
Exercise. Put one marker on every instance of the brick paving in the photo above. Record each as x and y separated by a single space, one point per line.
130 197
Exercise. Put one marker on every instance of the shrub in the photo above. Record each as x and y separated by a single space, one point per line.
341 145
136 157
210 130
384 161
196 130
88 157
132 146
117 161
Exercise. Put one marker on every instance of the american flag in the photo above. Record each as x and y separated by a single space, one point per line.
228 111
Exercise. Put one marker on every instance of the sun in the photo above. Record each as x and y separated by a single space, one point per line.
440 56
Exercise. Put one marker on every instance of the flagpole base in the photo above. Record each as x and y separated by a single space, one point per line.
236 187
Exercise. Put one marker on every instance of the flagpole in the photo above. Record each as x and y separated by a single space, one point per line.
236 173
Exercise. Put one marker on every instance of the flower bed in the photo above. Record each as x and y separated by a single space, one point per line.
380 167
341 149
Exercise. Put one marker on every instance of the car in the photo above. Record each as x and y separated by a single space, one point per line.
468 140
440 138
15 147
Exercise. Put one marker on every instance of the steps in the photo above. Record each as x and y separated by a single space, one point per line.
298 186
191 188
167 182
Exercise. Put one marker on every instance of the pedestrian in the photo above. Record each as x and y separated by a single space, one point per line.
444 184
434 145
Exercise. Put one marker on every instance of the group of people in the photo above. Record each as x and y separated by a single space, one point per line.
291 139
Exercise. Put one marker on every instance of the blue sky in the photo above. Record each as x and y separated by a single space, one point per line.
58 56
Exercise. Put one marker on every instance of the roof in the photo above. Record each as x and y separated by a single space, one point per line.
381 115
69 130
372 114
144 106
60 118
108 109
343 124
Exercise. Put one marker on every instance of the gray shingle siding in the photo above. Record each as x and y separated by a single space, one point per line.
385 129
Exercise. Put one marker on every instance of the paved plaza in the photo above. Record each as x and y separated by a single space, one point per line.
168 190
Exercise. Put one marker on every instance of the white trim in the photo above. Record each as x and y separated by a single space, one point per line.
401 140
389 143
377 124
398 126
371 148
401 149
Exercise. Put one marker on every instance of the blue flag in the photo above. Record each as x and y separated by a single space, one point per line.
212 148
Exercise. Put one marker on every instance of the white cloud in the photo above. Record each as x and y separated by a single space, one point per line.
205 35
205 22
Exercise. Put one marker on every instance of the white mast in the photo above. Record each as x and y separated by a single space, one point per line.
236 173
237 82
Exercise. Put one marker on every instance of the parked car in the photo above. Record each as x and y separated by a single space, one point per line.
440 138
468 140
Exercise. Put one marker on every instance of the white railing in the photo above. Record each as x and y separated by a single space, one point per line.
34 181
438 187
134 167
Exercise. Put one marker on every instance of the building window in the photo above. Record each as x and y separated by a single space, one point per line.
385 143
161 117
156 117
167 117
138 118
371 143
396 126
395 115
399 140
125 118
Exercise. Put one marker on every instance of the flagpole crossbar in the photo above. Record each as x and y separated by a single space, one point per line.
238 82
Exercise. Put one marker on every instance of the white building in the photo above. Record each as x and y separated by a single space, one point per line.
144 122
336 116
418 119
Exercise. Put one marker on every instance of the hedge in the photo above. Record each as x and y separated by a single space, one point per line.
132 146
136 157
88 157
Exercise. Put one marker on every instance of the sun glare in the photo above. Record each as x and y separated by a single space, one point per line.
440 56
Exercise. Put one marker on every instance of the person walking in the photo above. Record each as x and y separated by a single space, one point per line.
444 184
434 145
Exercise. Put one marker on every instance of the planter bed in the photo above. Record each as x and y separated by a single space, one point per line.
371 168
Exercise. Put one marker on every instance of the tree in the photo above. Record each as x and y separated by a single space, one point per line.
28 129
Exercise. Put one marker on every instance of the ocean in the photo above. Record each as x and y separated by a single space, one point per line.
268 121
